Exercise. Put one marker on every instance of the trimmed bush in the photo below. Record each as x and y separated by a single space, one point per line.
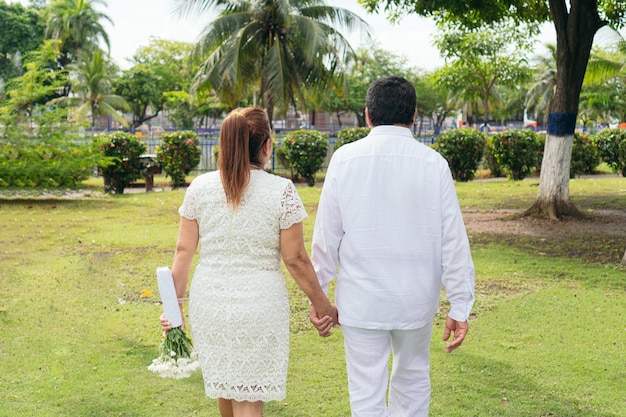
50 159
489 161
585 156
34 164
350 135
305 151
463 149
178 154
517 151
542 146
611 146
123 165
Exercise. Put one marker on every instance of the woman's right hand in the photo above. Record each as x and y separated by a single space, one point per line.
165 324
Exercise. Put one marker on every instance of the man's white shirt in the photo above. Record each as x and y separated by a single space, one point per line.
389 217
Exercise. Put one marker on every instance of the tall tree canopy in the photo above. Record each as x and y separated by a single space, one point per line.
368 65
92 84
480 61
576 23
158 68
78 25
21 31
276 47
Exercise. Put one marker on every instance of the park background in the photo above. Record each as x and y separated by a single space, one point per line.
79 303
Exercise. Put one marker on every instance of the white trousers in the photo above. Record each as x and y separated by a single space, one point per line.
367 360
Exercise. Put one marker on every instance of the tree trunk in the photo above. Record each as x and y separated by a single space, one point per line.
553 199
575 31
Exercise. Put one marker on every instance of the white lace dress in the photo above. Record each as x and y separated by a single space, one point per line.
238 306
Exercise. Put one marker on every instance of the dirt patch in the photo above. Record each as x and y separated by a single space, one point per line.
599 238
506 222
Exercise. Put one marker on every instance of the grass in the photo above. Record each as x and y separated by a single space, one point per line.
76 336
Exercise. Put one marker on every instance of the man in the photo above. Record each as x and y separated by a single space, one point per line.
390 229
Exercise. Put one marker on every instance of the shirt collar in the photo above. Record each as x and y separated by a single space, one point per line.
391 130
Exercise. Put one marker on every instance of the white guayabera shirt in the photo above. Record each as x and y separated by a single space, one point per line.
389 217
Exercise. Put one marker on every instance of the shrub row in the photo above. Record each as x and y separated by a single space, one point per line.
27 164
516 153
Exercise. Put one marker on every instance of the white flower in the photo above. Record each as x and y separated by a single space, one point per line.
175 344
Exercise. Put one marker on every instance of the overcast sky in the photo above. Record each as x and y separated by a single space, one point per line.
135 21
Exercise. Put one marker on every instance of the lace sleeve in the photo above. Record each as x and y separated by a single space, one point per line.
188 208
293 210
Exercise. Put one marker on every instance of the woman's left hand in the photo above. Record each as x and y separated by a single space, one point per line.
324 324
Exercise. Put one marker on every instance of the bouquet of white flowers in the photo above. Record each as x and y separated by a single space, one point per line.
177 357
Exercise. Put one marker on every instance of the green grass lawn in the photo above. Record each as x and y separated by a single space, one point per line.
76 336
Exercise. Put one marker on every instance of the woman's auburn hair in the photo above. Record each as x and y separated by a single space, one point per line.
242 136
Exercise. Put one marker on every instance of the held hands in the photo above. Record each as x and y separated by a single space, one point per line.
324 324
458 329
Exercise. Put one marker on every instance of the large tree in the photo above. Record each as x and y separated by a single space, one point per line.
21 31
367 66
78 25
92 85
576 23
28 93
479 61
275 46
158 68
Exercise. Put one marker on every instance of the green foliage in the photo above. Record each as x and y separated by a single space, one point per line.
216 153
178 154
585 156
463 149
123 165
92 84
368 65
611 145
305 151
78 25
21 31
36 86
281 46
160 67
542 145
350 135
479 62
37 164
49 159
490 162
517 150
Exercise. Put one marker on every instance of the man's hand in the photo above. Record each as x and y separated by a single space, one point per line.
458 329
324 324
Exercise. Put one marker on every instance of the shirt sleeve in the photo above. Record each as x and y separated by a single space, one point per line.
457 264
188 208
328 231
292 208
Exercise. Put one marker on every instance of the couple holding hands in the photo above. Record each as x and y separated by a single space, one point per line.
389 229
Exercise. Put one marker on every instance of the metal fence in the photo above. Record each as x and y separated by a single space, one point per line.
208 144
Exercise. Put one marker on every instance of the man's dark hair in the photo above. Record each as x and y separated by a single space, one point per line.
390 101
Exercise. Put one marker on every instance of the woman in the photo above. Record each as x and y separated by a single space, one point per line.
244 219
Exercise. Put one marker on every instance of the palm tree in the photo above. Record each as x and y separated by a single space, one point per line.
604 65
542 90
91 80
77 25
275 47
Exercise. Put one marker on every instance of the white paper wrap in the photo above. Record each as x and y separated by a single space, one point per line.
168 296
